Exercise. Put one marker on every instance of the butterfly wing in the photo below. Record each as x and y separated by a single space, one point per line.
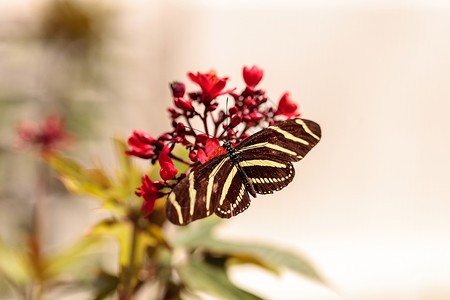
197 195
233 198
267 155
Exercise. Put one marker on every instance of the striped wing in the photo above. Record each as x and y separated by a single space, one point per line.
213 187
267 155
196 196
234 197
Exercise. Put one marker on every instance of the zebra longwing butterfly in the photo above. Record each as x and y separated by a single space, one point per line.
260 164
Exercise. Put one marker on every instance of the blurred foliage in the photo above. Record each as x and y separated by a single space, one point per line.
74 21
179 261
186 261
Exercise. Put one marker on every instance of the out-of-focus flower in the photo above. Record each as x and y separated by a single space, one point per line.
51 136
149 191
167 171
252 76
287 107
211 85
142 144
212 149
184 104
178 89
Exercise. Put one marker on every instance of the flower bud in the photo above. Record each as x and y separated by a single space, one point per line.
178 89
201 138
252 76
211 107
235 120
184 104
256 116
249 102
165 137
193 156
180 129
167 148
233 110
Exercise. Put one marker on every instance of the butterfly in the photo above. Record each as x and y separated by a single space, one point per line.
260 164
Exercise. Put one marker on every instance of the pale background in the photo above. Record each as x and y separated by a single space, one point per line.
370 205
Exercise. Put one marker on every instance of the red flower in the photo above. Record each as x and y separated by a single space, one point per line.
167 171
178 89
49 137
235 121
211 85
212 149
150 193
201 138
184 104
256 116
142 144
287 107
252 76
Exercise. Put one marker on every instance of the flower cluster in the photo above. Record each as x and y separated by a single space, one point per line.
49 137
250 110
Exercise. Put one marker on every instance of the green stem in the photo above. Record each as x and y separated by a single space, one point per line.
37 236
126 288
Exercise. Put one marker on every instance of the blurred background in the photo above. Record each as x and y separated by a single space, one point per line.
370 205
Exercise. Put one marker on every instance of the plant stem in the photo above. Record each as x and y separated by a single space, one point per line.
180 159
189 124
37 235
205 124
126 287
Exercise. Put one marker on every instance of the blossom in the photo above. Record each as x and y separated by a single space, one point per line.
211 85
212 149
178 89
252 76
149 191
235 120
200 129
142 144
50 136
167 171
184 104
287 107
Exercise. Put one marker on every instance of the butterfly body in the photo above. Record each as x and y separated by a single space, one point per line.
235 159
260 164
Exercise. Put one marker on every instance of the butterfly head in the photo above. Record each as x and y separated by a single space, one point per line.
228 146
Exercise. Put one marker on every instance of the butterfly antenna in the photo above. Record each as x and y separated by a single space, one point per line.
228 117
197 130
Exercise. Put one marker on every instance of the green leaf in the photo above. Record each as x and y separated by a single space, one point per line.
201 276
266 256
249 259
123 233
14 265
104 285
128 176
70 257
80 180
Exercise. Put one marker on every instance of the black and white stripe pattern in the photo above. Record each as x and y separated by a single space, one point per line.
261 164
